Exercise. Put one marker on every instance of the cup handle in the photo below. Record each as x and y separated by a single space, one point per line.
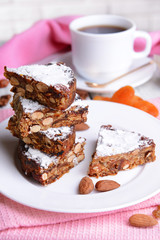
146 51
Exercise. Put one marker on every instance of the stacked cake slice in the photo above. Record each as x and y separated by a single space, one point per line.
46 112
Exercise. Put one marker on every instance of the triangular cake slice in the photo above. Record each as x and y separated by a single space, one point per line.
46 168
56 141
52 85
30 113
119 149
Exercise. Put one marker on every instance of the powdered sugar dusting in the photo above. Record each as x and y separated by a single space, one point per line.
75 161
116 141
40 158
43 159
30 106
58 133
78 103
80 140
51 74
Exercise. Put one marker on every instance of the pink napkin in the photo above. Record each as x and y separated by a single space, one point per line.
21 222
47 37
44 38
155 36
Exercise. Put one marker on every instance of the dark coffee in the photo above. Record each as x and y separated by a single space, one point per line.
102 29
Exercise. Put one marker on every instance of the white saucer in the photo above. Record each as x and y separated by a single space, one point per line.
134 79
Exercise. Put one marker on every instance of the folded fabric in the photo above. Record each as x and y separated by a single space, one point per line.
44 38
47 37
21 222
17 221
140 43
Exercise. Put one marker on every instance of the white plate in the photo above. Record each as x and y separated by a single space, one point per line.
135 79
62 196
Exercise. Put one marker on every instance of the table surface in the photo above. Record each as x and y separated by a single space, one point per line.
150 89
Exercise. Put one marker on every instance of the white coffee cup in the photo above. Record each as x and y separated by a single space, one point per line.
101 57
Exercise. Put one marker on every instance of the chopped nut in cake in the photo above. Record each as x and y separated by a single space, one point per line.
48 168
33 117
52 85
57 141
119 149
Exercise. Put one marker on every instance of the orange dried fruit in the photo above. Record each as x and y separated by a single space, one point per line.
101 98
98 98
146 107
126 95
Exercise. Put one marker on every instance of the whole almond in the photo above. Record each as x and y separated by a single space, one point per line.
4 100
77 148
3 83
42 87
37 115
70 159
20 91
29 88
80 158
106 185
35 128
86 185
52 100
82 93
14 81
63 100
156 213
27 140
81 127
47 121
142 220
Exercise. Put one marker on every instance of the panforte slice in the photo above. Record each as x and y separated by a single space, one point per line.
119 149
33 117
46 168
57 141
52 85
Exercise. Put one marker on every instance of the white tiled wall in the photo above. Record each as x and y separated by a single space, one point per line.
18 15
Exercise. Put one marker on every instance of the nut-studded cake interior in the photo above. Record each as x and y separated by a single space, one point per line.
118 149
32 116
48 168
52 85
47 109
57 141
